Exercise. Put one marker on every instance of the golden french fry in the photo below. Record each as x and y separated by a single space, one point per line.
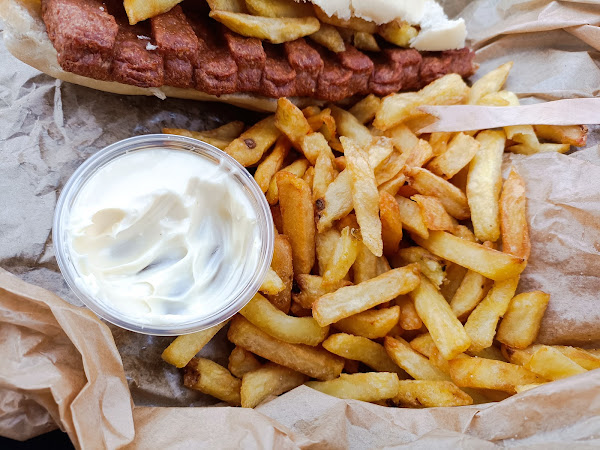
527 387
365 109
238 6
424 344
295 330
371 324
279 8
394 185
389 168
426 393
354 23
542 148
252 144
470 292
272 284
416 365
411 217
521 323
220 143
383 265
344 256
453 199
396 108
484 183
324 175
283 266
274 30
326 243
409 319
312 287
269 166
488 353
551 364
361 349
365 41
271 379
403 138
296 207
213 379
489 83
446 331
309 176
481 324
434 215
563 134
368 387
297 168
329 37
290 120
490 374
349 126
490 263
138 10
230 130
513 217
391 225
276 213
241 361
365 265
494 99
459 153
585 358
398 32
420 154
312 361
439 143
430 265
184 348
351 300
365 196
313 145
336 203
454 276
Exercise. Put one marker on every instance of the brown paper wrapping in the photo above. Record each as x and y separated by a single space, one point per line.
63 367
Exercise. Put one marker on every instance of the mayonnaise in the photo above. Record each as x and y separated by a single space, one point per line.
161 234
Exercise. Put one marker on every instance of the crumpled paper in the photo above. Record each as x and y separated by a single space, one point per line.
64 367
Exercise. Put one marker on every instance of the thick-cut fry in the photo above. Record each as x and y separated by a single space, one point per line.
274 30
329 37
296 207
481 324
566 134
283 266
430 265
365 110
326 243
423 344
398 32
343 257
279 8
295 330
396 108
354 23
425 393
489 83
269 166
439 142
409 319
238 6
365 196
277 221
184 348
272 284
324 175
271 379
138 10
365 41
388 169
213 379
312 287
490 374
521 323
391 224
470 292
252 144
351 300
446 331
313 145
513 217
368 387
291 122
416 365
361 349
220 143
297 168
551 364
453 199
541 148
365 265
371 324
411 217
309 175
241 361
488 353
459 153
312 361
419 155
486 261
336 203
484 183
349 126
434 214
585 358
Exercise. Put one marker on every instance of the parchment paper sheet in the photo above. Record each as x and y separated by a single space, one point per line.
61 366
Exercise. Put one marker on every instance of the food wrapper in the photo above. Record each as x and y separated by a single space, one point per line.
107 387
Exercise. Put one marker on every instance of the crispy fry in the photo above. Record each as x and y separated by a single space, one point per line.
585 358
271 379
365 41
279 8
249 148
488 353
521 323
312 361
453 199
272 284
295 203
242 361
238 6
470 292
409 319
566 134
419 155
416 365
391 225
423 344
541 148
282 265
365 265
276 213
430 265
486 261
484 183
368 387
274 30
361 349
461 150
398 32
329 37
446 331
309 176
551 364
489 83
220 143
269 166
411 217
184 348
513 217
312 287
439 142
403 138
388 169
343 257
324 175
425 393
213 379
365 110
351 300
349 126
138 10
291 122
434 215
336 203
371 324
354 23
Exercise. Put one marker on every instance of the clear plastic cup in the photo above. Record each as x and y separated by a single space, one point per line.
246 288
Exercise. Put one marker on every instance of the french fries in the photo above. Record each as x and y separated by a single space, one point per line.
416 365
411 217
181 351
489 83
272 284
434 214
297 168
354 23
567 134
343 258
269 166
271 379
409 319
365 110
513 217
238 6
252 144
213 379
241 362
470 292
278 8
274 30
551 364
371 324
391 224
329 37
458 154
430 265
521 323
368 387
427 393
138 10
361 349
283 267
365 41
398 33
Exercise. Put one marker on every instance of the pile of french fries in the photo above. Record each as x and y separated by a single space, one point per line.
397 258
279 21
